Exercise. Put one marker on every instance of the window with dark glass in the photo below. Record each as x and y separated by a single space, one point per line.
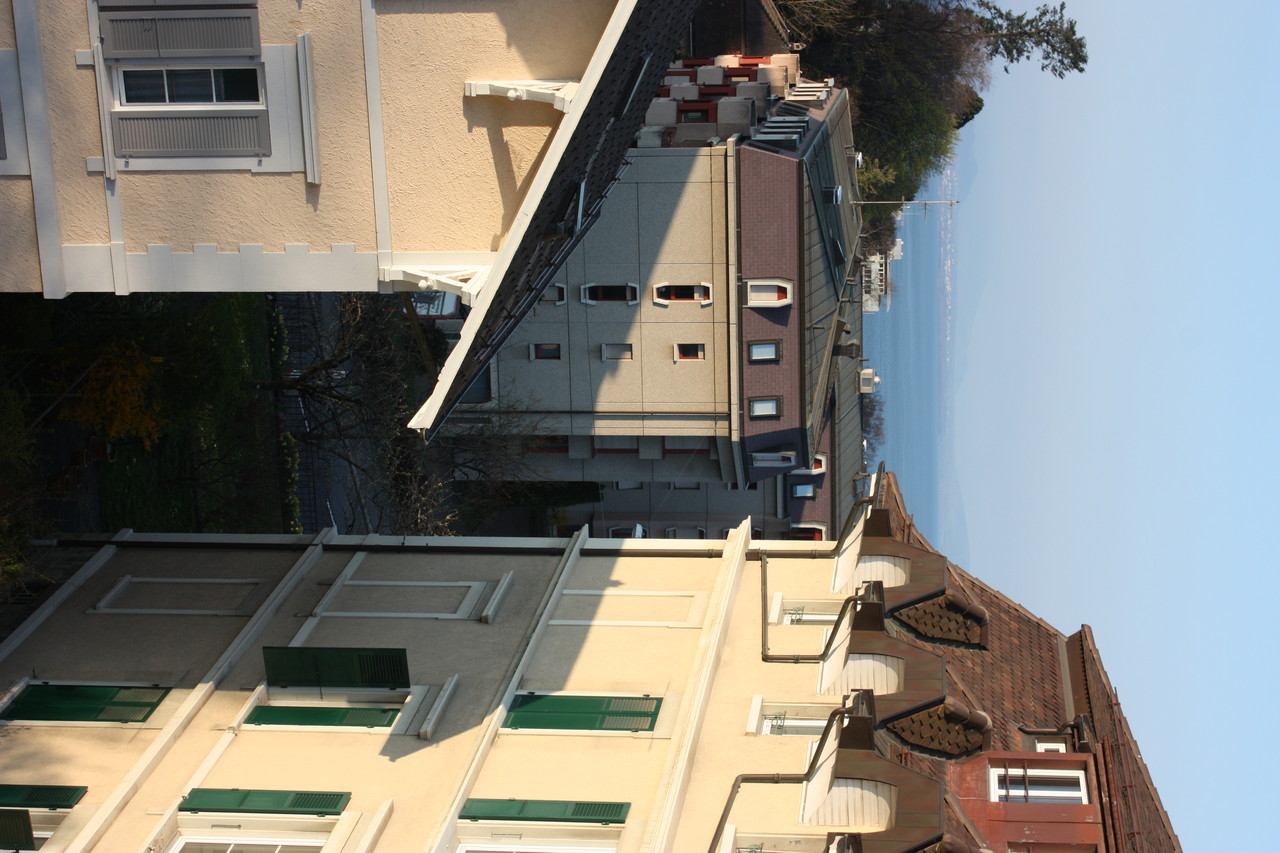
190 86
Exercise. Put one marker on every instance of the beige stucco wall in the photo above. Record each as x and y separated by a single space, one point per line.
21 268
72 93
230 208
7 38
459 166
725 749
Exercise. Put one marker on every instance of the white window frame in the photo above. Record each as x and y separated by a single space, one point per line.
533 352
816 468
804 491
764 407
555 293
1051 746
633 297
775 284
705 300
314 832
118 69
701 356
998 779
617 352
773 458
764 359
767 718
286 101
634 531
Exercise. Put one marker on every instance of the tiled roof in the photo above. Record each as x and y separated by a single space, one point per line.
939 619
933 729
1136 812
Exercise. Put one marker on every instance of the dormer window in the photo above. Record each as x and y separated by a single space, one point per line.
769 292
593 293
666 293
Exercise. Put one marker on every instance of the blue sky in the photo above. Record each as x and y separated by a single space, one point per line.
1112 383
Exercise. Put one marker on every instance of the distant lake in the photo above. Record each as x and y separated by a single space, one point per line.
911 346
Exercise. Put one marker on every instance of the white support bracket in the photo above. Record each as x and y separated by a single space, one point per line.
558 93
465 281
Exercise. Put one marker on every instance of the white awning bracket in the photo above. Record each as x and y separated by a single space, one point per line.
465 281
558 93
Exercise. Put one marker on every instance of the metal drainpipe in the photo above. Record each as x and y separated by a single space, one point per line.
764 624
773 778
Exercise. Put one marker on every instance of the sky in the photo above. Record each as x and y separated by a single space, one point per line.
1108 442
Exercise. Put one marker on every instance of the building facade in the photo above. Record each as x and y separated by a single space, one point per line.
697 353
351 694
267 146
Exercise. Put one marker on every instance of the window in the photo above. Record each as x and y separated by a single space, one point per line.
690 485
220 85
31 814
664 293
1019 785
787 718
544 352
769 292
771 458
628 485
1051 746
85 703
764 351
615 443
806 532
629 531
689 352
554 294
764 407
549 444
616 352
593 293
802 490
583 713
253 844
367 717
818 466
226 820
183 86
686 444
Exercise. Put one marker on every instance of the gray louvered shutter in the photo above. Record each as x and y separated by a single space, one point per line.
192 133
176 33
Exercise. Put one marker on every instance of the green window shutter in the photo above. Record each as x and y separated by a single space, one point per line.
249 801
567 811
85 703
15 830
41 796
288 715
584 713
299 666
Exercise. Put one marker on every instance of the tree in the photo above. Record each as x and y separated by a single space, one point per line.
1013 37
